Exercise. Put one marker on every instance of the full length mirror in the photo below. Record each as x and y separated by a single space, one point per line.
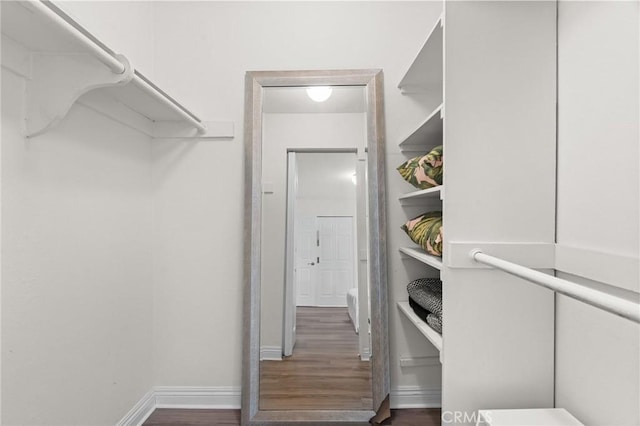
315 346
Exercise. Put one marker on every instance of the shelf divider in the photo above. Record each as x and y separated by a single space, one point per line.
425 72
432 336
427 135
420 255
423 194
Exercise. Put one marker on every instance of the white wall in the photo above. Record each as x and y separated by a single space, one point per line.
126 27
76 268
324 184
598 354
199 268
76 261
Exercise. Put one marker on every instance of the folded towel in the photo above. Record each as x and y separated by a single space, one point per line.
427 292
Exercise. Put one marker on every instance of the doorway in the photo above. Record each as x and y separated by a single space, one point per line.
321 267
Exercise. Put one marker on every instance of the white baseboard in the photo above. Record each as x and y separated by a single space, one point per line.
229 397
270 353
191 397
415 397
212 397
140 412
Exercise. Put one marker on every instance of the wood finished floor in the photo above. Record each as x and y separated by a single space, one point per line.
325 371
165 417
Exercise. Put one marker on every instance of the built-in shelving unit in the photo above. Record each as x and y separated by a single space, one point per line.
427 135
433 336
420 255
425 73
62 61
477 40
435 193
425 76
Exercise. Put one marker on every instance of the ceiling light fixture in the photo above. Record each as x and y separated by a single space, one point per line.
319 93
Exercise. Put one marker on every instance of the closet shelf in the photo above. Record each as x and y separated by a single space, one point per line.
420 255
437 192
425 73
62 61
427 135
432 336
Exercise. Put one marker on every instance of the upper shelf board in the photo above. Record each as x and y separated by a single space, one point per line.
425 73
63 61
422 256
427 135
425 194
433 336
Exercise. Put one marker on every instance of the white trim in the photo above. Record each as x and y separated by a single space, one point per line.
415 397
420 361
140 412
229 397
529 254
187 397
614 269
270 353
198 397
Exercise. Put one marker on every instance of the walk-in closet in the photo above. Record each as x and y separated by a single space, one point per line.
319 212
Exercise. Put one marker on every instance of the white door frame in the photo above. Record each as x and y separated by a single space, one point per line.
289 329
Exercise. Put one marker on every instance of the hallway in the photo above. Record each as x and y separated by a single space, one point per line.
328 370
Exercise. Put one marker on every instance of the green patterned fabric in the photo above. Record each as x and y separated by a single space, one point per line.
426 231
424 171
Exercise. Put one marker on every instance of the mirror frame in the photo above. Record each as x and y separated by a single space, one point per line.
255 81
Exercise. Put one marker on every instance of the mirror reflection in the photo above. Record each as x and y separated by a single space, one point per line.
315 314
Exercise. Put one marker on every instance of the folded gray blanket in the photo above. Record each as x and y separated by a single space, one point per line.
427 292
435 322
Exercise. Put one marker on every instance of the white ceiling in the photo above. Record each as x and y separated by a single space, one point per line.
343 99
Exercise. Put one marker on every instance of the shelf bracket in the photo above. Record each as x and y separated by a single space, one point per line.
56 83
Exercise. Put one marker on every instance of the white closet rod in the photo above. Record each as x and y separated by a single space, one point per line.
108 57
613 304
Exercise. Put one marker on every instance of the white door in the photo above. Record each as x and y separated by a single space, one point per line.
305 265
335 261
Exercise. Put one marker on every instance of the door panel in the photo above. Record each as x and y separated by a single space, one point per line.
336 266
306 254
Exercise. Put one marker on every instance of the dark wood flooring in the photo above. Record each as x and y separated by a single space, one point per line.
325 371
165 417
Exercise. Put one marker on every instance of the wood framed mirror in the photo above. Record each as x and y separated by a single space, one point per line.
268 245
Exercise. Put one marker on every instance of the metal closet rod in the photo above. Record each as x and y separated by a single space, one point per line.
73 29
607 302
